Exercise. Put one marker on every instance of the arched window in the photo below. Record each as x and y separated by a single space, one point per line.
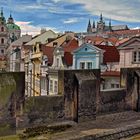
2 29
2 41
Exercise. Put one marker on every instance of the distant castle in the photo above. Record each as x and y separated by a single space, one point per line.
102 27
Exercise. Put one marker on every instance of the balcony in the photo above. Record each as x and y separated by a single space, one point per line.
36 55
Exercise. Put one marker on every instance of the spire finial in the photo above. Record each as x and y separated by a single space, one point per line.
10 14
101 17
89 24
93 26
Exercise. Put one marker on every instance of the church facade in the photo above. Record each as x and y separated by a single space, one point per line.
101 27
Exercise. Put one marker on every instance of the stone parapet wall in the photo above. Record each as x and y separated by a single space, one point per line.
43 109
112 101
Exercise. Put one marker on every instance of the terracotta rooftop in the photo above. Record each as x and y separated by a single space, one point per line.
127 32
68 48
97 40
48 51
119 42
111 53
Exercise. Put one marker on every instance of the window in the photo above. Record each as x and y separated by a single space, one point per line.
55 87
2 51
82 65
85 49
2 29
2 41
35 49
136 56
57 62
139 57
115 85
43 83
112 85
89 65
51 85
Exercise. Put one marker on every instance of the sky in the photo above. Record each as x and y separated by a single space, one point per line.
70 15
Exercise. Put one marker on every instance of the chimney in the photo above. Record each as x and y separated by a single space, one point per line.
43 30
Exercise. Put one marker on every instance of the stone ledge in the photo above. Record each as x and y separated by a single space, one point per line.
114 134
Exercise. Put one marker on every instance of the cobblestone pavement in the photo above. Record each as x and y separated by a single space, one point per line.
103 124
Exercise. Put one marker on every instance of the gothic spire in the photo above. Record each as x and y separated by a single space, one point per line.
89 28
101 17
89 24
93 25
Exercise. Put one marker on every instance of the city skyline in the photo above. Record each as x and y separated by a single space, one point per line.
61 15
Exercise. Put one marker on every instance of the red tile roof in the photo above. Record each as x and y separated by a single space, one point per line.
97 40
48 51
111 53
119 42
68 49
125 32
71 45
111 73
68 58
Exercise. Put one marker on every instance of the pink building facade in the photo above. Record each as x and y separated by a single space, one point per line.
130 53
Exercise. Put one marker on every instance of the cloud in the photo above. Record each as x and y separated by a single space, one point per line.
27 27
136 28
121 10
70 21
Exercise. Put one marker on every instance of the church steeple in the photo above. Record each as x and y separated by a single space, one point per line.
93 25
89 24
2 18
89 28
101 18
110 26
10 19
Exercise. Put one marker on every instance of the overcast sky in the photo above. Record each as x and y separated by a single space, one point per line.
70 15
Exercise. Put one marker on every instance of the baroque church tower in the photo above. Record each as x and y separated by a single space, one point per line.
3 34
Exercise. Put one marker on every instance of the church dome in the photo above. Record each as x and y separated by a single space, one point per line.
12 26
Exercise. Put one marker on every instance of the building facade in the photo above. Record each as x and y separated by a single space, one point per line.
130 53
87 56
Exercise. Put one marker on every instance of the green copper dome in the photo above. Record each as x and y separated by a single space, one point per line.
11 26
